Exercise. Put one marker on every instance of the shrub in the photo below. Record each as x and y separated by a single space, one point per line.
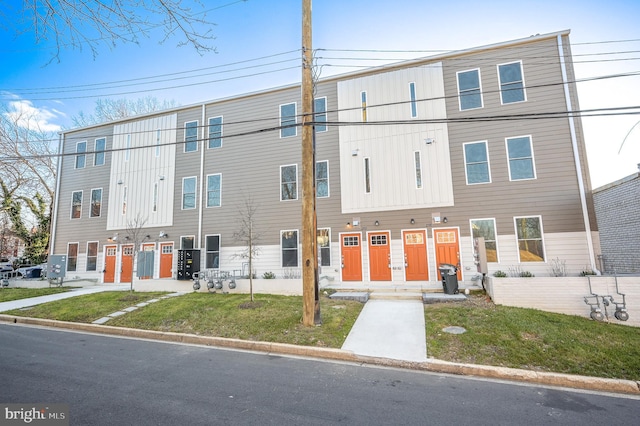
500 274
558 267
526 274
269 275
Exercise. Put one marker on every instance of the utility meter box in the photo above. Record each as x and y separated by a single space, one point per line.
57 266
145 264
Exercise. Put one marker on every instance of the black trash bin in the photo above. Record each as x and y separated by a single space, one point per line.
449 276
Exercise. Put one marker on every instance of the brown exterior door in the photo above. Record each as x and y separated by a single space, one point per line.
447 248
166 259
110 264
351 257
379 256
127 264
415 255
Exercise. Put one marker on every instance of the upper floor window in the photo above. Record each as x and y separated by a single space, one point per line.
520 154
476 160
215 132
367 176
486 228
154 201
322 179
81 148
124 200
289 182
189 193
418 168
98 157
76 205
363 103
96 202
469 89
320 114
288 120
511 83
412 97
530 241
214 190
191 136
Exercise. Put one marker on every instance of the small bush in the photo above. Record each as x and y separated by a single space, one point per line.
526 274
500 274
558 267
269 275
587 272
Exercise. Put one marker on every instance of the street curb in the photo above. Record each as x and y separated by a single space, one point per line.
431 365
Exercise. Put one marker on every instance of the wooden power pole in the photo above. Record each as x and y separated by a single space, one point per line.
309 252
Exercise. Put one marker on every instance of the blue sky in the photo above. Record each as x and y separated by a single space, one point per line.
247 30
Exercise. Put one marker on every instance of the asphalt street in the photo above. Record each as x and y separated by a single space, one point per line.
119 381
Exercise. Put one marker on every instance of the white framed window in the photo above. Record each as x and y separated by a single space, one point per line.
322 179
92 256
212 248
413 101
215 132
511 80
191 136
81 157
320 114
288 120
189 192
127 152
154 201
96 202
486 228
417 160
187 242
289 182
124 200
520 155
289 248
76 204
214 190
530 238
476 162
323 237
72 256
469 89
363 105
367 176
98 156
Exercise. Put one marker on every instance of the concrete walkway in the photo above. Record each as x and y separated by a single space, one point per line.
390 329
33 301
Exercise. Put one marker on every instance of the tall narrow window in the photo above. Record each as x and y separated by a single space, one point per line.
154 202
189 193
158 141
81 148
367 176
320 114
214 190
476 162
76 205
511 83
98 157
288 120
289 244
289 182
322 179
363 102
530 242
412 96
92 256
469 90
187 243
520 154
215 132
96 202
127 152
486 228
72 257
191 136
418 168
212 246
323 236
124 200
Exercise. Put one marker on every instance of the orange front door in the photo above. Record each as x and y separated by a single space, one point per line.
447 248
110 264
379 256
127 264
351 257
415 255
166 259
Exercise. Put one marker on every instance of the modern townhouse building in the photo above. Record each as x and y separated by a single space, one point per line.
413 162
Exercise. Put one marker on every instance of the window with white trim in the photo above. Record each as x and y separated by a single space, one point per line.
486 228
289 182
92 256
98 156
413 101
212 247
81 157
476 162
417 158
520 156
469 89
320 114
323 237
511 83
76 205
289 248
214 190
322 179
96 202
215 132
72 257
530 239
367 176
191 136
288 120
154 201
124 200
189 193
363 103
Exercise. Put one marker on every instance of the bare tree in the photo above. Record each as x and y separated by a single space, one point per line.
91 23
115 109
247 236
136 235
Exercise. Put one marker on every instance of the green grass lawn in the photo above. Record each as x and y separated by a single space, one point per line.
8 294
532 339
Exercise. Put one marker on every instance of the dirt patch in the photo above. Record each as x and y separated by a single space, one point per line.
129 298
250 305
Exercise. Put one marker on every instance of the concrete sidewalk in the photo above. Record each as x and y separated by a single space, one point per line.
390 329
33 301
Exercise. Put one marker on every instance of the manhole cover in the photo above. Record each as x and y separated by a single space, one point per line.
454 330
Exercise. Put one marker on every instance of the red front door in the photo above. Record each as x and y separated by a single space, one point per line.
380 256
415 255
166 259
110 264
127 264
447 248
351 257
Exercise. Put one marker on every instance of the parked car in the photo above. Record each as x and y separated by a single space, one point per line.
5 265
31 271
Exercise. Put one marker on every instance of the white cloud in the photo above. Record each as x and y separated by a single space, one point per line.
28 116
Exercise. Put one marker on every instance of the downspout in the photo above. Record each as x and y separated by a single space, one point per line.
201 179
576 157
56 198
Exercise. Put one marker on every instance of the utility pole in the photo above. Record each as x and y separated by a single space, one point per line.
310 304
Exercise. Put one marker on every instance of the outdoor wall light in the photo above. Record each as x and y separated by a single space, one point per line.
376 223
163 234
120 182
412 221
348 224
445 220
114 238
